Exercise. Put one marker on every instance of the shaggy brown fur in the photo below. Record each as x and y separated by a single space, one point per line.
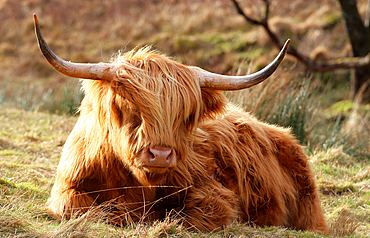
230 166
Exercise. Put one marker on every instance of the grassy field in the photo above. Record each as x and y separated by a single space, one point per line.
37 105
31 144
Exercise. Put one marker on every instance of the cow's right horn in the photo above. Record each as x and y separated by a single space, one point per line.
228 83
102 71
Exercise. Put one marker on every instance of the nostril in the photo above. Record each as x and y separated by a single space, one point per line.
169 157
151 156
151 159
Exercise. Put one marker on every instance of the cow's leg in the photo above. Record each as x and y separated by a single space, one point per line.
310 215
69 202
306 214
210 207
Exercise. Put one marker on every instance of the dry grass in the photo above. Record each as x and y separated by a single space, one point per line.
31 145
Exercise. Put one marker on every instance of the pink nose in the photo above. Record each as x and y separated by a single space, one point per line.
161 156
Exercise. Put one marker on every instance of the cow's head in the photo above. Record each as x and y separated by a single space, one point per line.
150 105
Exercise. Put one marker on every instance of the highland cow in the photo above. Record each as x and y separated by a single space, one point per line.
156 136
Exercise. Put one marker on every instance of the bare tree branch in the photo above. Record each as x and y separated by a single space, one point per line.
367 15
311 64
267 11
241 12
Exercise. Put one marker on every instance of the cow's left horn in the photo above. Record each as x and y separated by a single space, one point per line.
101 71
229 83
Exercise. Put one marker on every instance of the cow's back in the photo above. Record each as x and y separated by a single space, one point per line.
266 168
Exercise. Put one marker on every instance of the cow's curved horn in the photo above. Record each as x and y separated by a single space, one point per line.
229 83
101 71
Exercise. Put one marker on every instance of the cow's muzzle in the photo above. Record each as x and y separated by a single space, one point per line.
158 159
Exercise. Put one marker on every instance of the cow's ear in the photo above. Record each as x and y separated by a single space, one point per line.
214 102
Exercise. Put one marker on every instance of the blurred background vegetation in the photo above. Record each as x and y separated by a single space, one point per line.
206 33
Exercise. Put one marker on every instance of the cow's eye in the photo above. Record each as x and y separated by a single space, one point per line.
190 120
135 121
